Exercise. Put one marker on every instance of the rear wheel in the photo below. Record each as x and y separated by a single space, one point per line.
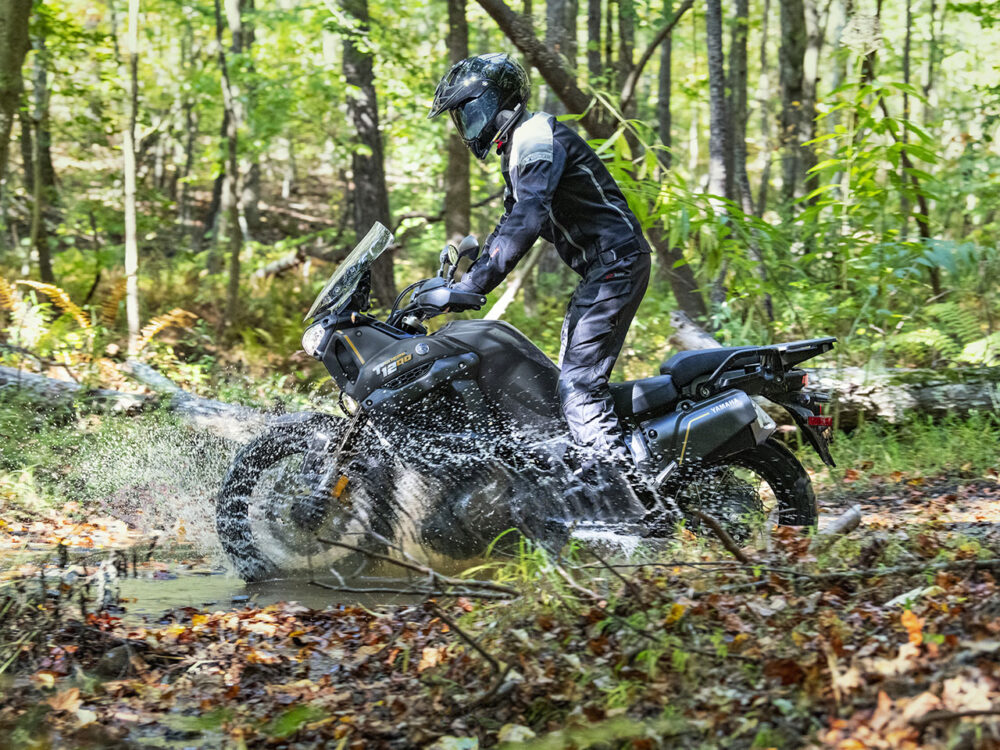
743 491
282 495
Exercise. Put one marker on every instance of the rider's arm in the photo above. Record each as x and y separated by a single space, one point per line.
508 205
539 167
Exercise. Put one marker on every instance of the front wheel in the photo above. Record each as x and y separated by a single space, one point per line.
744 490
281 497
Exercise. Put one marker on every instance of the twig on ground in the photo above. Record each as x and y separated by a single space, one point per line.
489 694
723 535
629 585
432 574
404 591
933 716
466 637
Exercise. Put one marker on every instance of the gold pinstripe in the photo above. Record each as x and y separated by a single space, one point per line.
687 433
351 344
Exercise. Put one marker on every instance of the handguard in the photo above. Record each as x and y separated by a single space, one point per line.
442 297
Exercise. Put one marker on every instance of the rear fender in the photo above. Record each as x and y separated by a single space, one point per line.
802 409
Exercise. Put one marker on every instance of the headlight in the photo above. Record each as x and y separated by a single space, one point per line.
312 338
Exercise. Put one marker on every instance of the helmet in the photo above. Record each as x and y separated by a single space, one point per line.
478 89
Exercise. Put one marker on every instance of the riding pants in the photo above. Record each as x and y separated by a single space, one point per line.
597 320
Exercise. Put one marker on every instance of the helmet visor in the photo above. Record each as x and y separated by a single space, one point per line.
471 117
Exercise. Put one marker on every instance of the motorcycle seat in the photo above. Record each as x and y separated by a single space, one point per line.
685 367
636 398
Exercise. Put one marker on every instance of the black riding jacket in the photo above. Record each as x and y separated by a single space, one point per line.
557 188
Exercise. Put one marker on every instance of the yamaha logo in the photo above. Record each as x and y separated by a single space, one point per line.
421 348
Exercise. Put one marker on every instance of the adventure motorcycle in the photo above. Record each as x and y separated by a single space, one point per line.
469 416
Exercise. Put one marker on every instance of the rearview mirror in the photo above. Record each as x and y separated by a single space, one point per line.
468 248
446 259
453 254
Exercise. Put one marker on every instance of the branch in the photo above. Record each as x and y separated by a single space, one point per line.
723 535
628 90
406 591
467 638
432 574
933 716
551 65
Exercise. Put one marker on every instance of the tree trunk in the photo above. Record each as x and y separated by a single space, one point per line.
249 196
43 140
718 135
595 63
549 64
456 177
371 195
232 120
555 40
626 42
14 44
663 114
128 151
763 98
791 60
816 34
904 207
737 107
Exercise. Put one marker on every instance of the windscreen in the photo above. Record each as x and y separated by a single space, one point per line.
345 279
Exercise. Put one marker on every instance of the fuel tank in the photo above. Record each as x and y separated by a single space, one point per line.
513 372
392 372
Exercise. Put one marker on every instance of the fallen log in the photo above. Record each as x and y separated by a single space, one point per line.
229 421
886 394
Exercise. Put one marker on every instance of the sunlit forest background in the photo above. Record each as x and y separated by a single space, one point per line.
801 167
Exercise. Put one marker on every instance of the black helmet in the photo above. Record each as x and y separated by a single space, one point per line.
478 89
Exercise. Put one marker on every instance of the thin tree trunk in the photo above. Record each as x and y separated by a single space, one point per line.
933 58
555 40
456 178
663 114
595 64
718 119
737 107
14 45
371 195
609 36
128 151
250 185
791 58
907 43
231 187
626 48
816 22
763 97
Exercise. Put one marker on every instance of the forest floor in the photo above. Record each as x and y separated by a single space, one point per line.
888 637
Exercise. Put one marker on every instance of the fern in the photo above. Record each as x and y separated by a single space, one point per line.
109 305
6 295
956 321
60 299
983 351
917 344
176 317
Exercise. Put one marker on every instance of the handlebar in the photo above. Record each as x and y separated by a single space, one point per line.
434 296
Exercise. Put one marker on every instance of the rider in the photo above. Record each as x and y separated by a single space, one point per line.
556 188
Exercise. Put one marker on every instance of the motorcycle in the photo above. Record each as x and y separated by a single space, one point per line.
468 418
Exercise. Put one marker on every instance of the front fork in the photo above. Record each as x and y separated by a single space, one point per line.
322 466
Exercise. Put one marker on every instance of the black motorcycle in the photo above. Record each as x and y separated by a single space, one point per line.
467 419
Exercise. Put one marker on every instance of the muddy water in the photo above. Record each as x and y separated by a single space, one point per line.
149 598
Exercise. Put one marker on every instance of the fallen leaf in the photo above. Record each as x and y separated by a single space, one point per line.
914 627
